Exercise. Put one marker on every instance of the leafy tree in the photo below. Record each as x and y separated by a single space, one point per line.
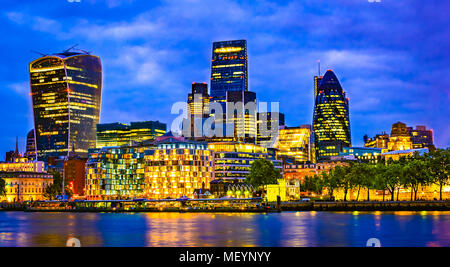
2 187
262 172
55 189
415 174
438 163
393 176
329 181
381 176
312 184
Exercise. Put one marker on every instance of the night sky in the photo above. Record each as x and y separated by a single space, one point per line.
392 57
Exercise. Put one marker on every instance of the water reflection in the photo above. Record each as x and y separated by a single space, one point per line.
226 229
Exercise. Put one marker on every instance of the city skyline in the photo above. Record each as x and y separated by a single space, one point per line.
273 75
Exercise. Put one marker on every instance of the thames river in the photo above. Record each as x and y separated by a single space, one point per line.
297 229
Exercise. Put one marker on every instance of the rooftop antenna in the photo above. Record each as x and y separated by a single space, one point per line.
39 53
318 62
70 48
86 52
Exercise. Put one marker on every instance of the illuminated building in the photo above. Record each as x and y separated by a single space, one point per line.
298 171
118 134
30 150
171 167
229 69
362 154
396 155
400 138
379 141
12 155
66 91
233 160
22 165
296 143
221 188
75 175
421 137
177 168
242 117
271 121
25 186
198 104
115 172
276 190
331 122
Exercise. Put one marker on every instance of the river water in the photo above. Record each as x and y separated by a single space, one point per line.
295 229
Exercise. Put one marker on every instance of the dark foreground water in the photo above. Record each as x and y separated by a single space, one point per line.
230 229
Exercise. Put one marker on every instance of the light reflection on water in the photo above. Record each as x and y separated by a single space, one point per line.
296 229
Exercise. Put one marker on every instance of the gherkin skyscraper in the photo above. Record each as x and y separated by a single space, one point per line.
331 122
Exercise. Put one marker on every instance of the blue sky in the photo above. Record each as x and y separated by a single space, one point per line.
391 57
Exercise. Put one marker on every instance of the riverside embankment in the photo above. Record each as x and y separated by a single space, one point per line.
262 208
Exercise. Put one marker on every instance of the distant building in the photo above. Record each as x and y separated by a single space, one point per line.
118 134
400 138
293 171
233 160
421 137
396 155
22 165
331 122
228 70
198 104
244 124
379 141
270 121
25 186
224 188
66 90
362 154
75 175
296 143
30 150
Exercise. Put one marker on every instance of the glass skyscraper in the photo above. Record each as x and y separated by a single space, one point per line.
66 91
229 69
331 123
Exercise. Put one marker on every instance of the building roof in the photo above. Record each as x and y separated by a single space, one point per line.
420 150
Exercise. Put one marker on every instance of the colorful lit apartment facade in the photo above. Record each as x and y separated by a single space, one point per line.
233 160
170 167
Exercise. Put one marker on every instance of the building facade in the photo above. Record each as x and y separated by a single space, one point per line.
331 122
75 175
233 161
22 165
296 143
270 121
379 141
118 134
30 150
399 138
25 186
198 105
171 167
421 137
243 118
66 91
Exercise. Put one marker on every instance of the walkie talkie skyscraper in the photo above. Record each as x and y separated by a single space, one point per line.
66 90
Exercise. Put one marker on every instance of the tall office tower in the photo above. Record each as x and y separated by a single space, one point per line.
30 150
331 122
270 121
400 138
229 69
66 91
421 137
243 117
198 103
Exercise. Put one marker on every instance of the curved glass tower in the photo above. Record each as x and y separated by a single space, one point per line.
66 91
331 122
